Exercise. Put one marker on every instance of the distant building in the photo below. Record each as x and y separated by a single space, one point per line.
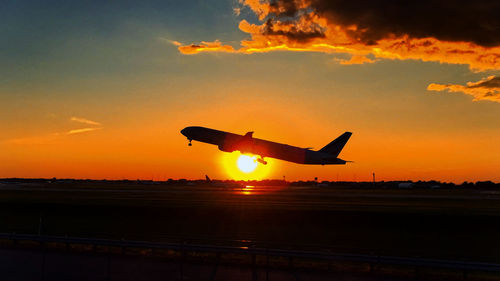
406 185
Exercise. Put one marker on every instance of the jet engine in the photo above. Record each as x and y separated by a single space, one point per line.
226 148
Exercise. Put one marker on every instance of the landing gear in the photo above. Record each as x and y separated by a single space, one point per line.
262 161
190 144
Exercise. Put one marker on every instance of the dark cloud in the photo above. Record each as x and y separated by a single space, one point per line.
445 31
293 32
284 7
458 20
492 82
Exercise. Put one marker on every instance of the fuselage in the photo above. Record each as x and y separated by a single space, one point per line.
230 142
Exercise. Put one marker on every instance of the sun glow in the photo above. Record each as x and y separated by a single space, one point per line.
247 164
245 167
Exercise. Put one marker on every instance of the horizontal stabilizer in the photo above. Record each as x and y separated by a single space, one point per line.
335 147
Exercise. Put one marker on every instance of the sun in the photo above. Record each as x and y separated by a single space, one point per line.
247 164
245 167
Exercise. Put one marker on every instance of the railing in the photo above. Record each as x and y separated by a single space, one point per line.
372 260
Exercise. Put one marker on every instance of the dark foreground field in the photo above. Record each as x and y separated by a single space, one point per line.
444 224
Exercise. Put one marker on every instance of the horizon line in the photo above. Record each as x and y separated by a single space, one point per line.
261 180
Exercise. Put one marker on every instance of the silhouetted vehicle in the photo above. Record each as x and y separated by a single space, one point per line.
230 142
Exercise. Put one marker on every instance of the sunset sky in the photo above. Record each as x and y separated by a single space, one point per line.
101 89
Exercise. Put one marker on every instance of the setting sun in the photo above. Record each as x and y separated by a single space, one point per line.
247 164
245 167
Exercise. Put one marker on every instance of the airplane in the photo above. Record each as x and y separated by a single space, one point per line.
247 144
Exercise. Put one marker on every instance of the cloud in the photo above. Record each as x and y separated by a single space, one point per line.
485 89
215 46
38 140
85 121
168 41
84 130
447 20
445 31
50 138
46 139
356 59
237 11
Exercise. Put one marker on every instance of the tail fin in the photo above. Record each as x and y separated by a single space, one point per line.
336 145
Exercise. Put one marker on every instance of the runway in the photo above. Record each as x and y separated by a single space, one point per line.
444 224
288 197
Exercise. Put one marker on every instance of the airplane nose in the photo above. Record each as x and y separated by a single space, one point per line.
187 132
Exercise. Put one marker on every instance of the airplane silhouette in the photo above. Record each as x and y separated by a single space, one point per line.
229 142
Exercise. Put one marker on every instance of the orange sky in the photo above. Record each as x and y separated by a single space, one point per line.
108 99
153 148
